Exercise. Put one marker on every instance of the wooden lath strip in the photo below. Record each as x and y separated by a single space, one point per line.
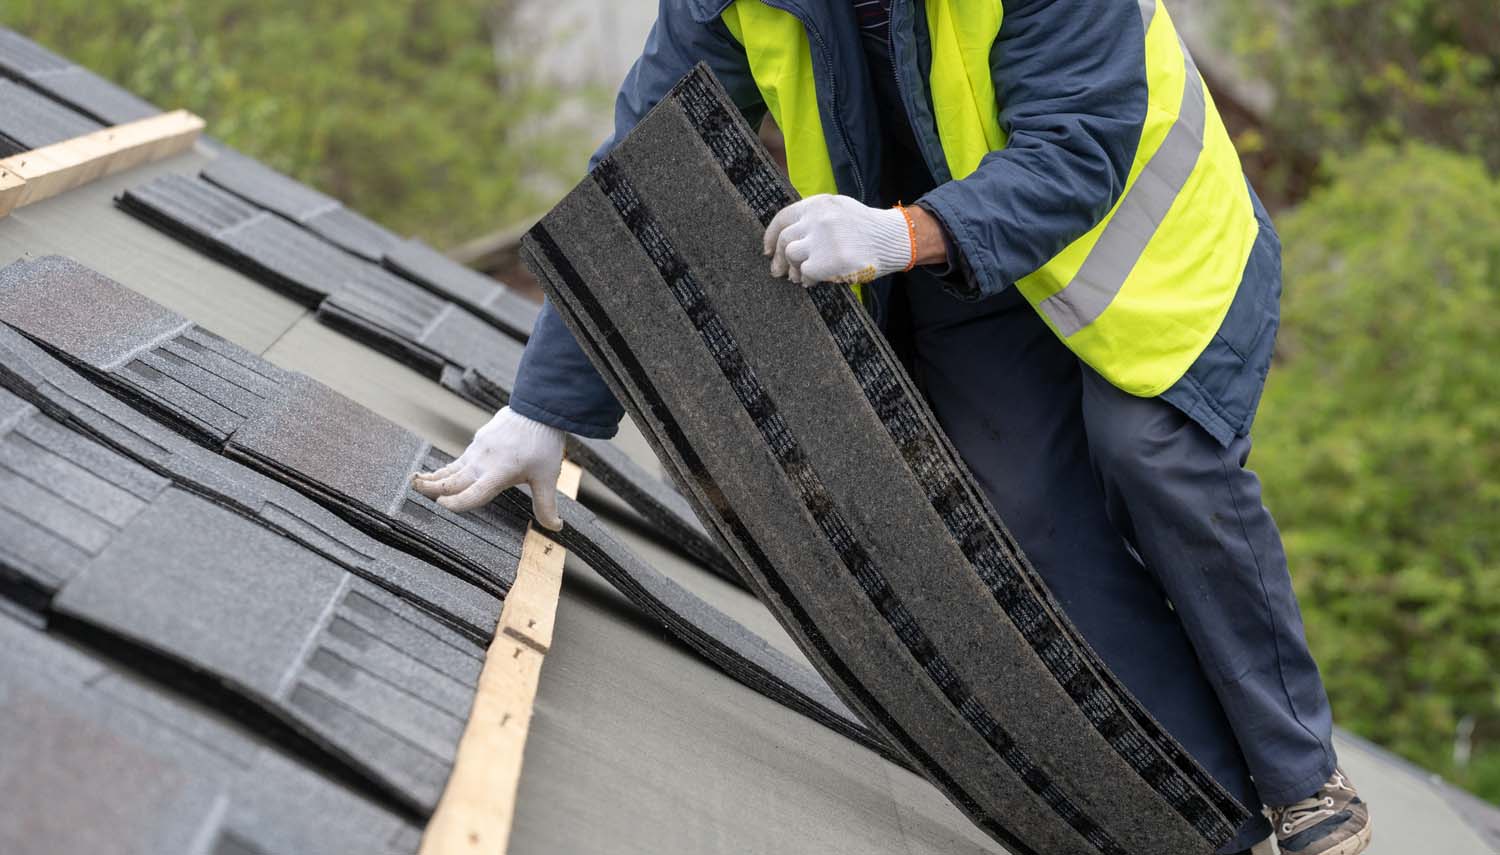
478 805
45 172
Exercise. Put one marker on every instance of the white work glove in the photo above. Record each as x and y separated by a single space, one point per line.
510 449
838 239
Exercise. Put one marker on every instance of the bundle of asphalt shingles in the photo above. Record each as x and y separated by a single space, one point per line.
29 120
452 324
28 62
812 455
99 759
344 456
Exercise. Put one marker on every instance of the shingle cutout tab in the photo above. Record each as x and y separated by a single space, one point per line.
809 451
79 88
100 760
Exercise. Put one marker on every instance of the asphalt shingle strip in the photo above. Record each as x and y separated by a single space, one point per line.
352 461
485 297
317 212
274 624
841 500
390 314
85 91
64 305
283 624
30 120
412 259
98 759
84 458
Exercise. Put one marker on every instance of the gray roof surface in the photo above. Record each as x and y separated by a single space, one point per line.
637 745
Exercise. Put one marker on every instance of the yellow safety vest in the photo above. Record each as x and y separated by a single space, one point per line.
1142 293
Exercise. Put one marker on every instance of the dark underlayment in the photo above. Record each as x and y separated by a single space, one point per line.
302 434
393 315
74 85
809 451
99 759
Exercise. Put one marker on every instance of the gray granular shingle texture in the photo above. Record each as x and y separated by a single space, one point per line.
807 449
360 466
31 120
367 302
80 459
320 214
288 631
99 760
434 336
85 91
485 297
415 261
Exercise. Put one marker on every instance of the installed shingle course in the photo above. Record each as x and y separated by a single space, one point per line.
255 618
318 213
412 259
806 448
96 451
390 314
99 760
360 465
25 60
480 294
31 120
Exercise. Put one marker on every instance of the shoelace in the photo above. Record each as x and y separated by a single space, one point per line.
1301 815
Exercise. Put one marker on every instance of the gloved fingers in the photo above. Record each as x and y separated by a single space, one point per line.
780 262
440 474
451 485
475 495
785 217
544 503
798 252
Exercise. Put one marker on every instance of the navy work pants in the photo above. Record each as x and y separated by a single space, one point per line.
1149 532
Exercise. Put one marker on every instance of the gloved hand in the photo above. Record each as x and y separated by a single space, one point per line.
508 450
838 239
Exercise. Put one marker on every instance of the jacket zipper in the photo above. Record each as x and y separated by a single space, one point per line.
838 117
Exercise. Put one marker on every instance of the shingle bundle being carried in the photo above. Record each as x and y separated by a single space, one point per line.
808 449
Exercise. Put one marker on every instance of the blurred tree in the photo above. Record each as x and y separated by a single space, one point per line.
1379 443
403 109
1350 71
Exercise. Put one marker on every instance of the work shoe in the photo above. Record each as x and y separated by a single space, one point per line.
1332 821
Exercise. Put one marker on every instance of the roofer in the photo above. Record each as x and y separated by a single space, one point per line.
1085 288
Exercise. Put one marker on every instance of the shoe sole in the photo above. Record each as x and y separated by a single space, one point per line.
1354 845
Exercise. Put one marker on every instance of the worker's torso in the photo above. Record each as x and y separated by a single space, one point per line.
1142 297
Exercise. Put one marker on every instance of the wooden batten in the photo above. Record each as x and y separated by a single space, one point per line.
45 172
478 805
12 186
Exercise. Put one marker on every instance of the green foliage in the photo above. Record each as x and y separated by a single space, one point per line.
1379 443
1351 71
399 108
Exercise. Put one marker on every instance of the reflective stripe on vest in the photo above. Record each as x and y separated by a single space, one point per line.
1141 294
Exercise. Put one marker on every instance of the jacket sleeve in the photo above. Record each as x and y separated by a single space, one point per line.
556 384
1070 76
